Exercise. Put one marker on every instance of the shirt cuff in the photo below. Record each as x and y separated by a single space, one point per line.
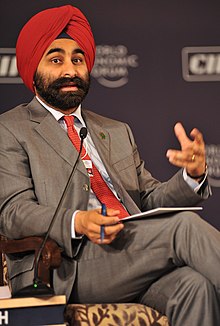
195 185
73 232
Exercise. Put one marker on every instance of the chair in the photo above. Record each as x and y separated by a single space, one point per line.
78 314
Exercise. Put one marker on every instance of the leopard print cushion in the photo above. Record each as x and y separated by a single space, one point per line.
113 315
5 271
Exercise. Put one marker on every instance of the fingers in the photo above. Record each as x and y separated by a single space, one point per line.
192 153
109 233
180 158
106 234
89 223
197 136
110 212
180 133
182 137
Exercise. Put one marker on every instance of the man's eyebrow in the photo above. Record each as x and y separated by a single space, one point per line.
55 50
78 50
75 51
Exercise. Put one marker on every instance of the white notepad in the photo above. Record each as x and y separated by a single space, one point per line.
159 211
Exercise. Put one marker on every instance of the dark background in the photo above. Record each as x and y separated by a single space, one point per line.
156 95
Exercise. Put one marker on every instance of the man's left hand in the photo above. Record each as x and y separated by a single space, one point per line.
192 153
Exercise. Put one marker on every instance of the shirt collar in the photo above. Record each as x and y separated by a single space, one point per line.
58 115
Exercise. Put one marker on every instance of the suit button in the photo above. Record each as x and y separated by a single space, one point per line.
85 187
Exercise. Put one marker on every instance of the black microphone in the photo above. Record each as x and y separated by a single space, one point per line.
38 288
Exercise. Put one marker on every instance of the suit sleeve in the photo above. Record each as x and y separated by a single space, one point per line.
21 214
153 194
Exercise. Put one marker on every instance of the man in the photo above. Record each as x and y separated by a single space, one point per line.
171 261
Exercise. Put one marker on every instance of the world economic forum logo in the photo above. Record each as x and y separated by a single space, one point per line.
201 63
112 65
213 162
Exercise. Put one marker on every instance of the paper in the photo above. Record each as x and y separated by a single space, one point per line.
5 292
160 210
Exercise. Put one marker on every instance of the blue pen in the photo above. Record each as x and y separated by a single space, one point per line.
102 230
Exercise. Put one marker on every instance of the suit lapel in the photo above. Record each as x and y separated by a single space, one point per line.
99 135
50 130
102 139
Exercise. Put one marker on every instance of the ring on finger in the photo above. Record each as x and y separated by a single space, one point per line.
193 158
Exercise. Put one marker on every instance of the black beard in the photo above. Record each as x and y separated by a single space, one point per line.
51 94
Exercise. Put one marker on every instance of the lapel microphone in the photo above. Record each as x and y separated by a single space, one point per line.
38 288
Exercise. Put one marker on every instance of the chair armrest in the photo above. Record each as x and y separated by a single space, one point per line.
50 258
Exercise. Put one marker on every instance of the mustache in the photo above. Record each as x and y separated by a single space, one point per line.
67 81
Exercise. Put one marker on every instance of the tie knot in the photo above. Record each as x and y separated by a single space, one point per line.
69 119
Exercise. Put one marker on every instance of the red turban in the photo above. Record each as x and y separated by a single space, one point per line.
42 29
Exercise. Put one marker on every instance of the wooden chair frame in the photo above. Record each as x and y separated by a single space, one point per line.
50 258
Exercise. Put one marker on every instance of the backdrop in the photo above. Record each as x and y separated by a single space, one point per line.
158 62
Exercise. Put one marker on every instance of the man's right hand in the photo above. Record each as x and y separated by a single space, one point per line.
89 223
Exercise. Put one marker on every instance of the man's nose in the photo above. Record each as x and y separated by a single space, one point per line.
70 70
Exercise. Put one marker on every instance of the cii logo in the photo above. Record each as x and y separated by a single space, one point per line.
201 63
8 68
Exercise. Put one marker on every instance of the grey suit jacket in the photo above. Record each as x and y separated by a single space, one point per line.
36 158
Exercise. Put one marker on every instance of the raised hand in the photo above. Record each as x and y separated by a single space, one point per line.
192 153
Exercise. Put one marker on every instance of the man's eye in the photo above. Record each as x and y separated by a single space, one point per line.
77 60
56 60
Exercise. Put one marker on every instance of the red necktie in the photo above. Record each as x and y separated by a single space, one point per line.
99 186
